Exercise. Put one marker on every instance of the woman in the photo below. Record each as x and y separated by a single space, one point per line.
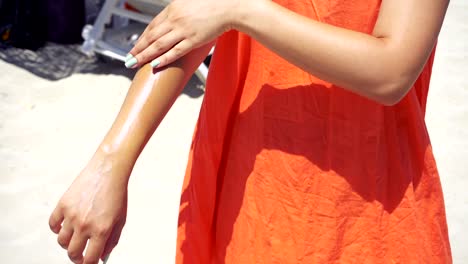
310 147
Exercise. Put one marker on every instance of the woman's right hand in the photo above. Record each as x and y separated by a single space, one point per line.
93 208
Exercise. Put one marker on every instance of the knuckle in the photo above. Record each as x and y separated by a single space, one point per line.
174 20
102 230
63 243
82 224
72 215
157 45
151 37
75 256
174 52
177 52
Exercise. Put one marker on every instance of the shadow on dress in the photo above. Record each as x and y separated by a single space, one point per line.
286 143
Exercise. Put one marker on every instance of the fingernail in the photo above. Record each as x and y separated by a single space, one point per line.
155 63
131 62
129 56
106 258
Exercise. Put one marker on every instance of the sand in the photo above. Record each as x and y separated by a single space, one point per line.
49 128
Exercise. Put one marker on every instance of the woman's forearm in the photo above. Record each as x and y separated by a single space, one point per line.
149 98
381 66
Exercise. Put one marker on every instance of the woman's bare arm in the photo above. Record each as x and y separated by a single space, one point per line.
382 66
151 95
93 210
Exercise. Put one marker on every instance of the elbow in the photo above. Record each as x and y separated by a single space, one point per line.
392 94
392 90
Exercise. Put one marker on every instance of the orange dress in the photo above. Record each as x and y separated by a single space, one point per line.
287 168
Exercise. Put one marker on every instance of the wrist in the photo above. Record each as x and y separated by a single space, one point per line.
116 155
247 13
110 166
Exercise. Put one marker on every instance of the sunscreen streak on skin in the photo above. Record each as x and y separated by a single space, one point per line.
140 103
103 168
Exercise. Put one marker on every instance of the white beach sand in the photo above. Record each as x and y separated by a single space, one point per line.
49 129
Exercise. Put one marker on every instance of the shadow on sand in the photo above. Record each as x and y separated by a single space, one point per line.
55 62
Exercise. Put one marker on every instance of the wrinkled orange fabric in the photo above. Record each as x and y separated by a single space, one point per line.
287 168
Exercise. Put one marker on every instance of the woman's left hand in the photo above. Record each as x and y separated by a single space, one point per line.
181 27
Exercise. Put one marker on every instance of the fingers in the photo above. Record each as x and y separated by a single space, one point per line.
155 27
158 47
55 220
148 39
74 240
94 250
158 20
173 54
76 247
113 239
64 236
